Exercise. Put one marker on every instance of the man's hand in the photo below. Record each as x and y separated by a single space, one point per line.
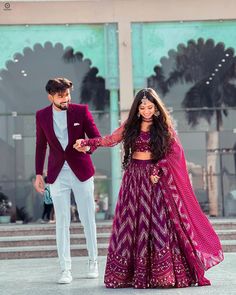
83 149
78 143
39 184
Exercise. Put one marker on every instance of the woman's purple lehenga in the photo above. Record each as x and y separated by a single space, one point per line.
160 236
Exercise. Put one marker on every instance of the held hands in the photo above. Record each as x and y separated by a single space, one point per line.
79 148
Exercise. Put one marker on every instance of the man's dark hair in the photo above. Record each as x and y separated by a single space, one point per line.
58 85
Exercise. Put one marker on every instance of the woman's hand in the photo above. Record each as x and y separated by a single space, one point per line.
154 179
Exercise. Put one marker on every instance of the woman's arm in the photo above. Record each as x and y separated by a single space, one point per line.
157 171
160 167
175 154
105 141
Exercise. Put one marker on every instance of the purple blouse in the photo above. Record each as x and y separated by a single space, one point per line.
142 143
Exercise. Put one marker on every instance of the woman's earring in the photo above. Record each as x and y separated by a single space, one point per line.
138 115
157 113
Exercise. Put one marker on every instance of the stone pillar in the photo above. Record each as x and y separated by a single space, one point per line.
125 67
112 83
212 163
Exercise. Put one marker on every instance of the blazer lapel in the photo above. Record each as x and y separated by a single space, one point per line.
51 129
70 116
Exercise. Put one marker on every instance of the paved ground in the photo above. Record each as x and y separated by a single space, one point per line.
38 277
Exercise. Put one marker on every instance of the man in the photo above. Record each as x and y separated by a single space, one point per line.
59 125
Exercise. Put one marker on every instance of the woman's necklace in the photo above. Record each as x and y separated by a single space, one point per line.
145 126
147 120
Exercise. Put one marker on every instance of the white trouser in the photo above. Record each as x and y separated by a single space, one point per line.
84 198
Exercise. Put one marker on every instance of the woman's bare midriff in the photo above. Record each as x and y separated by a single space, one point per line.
142 156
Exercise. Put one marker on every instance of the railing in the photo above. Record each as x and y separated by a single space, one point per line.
211 164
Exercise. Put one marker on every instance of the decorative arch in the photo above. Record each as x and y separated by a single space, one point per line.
93 90
24 79
208 69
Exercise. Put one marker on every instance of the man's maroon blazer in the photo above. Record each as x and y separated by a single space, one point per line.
79 123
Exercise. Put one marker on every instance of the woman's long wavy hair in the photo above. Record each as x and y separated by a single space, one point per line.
160 130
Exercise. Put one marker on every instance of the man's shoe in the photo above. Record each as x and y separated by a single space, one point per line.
92 269
65 278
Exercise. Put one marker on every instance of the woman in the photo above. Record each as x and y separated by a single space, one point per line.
160 237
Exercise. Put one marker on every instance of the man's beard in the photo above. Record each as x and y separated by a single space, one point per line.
62 107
